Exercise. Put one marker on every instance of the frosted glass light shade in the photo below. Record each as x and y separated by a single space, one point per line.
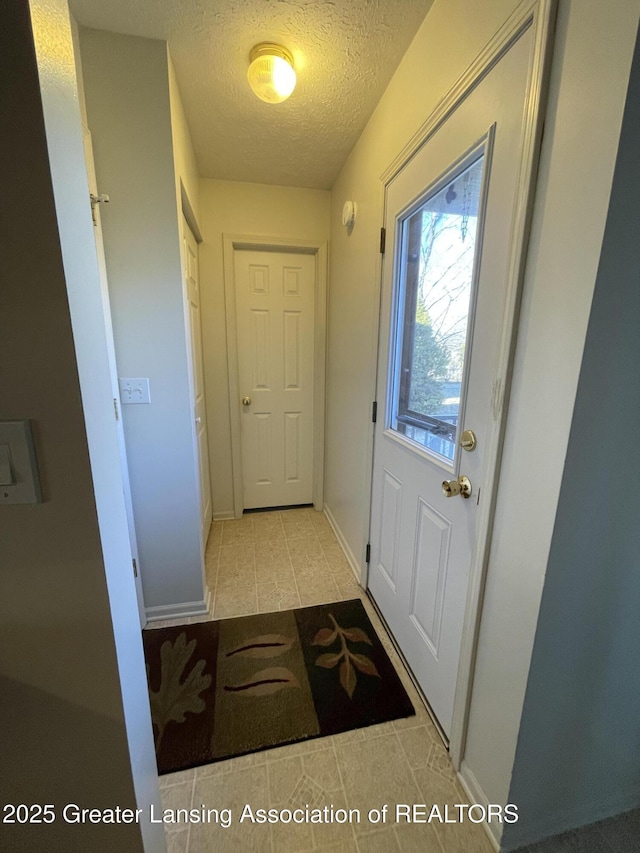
271 74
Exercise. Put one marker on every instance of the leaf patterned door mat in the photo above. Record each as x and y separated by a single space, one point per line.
233 686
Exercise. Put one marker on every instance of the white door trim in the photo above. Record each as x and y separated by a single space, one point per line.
248 242
539 15
122 445
185 225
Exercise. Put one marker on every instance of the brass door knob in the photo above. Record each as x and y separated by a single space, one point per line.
461 486
246 401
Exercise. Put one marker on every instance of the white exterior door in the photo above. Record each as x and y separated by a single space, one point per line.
275 298
446 313
104 286
192 282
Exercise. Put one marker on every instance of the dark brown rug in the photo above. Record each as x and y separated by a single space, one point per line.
233 686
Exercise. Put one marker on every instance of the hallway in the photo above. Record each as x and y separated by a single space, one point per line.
275 561
550 720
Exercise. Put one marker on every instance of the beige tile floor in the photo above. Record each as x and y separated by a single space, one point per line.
275 561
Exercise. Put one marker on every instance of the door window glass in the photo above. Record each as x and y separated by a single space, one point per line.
436 272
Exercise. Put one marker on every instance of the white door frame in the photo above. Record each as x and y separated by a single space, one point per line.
117 403
189 222
539 15
251 242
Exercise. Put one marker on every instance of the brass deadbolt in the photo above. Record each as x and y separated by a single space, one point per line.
468 440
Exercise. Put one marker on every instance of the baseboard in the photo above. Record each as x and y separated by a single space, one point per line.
182 610
351 557
521 834
224 516
474 791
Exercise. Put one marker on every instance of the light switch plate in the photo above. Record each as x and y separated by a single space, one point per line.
134 391
18 467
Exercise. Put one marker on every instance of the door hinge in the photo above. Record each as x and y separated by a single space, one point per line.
135 568
367 554
97 199
383 239
116 411
374 411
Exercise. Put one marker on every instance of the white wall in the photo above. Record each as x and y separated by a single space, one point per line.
227 207
574 767
590 70
74 714
127 89
184 158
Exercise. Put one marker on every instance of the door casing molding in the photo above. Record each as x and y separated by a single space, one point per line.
187 225
319 249
539 16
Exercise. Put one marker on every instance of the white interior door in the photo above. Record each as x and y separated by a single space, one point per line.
104 286
275 298
192 280
446 286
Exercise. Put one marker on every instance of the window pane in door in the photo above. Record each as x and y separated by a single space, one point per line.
438 246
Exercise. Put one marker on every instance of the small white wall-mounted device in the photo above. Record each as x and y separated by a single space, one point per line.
349 212
19 481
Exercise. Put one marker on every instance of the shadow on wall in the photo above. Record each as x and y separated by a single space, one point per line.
63 734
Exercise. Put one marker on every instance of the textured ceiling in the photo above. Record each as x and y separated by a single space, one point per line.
345 53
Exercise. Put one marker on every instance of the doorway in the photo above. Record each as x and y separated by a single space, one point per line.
275 296
456 214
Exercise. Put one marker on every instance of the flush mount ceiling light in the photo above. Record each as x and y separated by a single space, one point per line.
271 74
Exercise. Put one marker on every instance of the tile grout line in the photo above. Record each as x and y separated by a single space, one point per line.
255 573
214 593
271 579
344 790
419 789
295 577
193 793
255 570
269 802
